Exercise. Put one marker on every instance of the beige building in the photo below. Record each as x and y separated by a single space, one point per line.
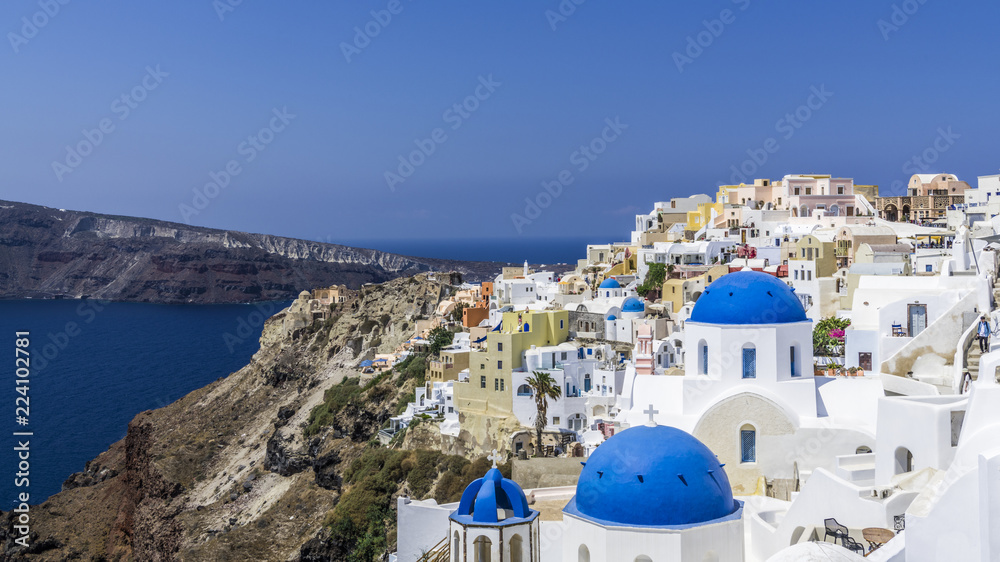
849 239
927 198
819 248
448 365
334 294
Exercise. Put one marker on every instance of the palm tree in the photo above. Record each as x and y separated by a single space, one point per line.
543 386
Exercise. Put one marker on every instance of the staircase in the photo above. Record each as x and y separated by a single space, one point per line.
438 553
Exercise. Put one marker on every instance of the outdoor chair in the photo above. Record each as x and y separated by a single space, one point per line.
853 545
836 530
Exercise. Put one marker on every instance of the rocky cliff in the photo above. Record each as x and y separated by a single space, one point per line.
246 468
47 253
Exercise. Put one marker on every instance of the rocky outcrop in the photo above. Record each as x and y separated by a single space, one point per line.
228 472
52 253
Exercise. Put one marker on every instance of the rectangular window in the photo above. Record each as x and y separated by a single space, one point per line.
499 364
749 363
840 190
482 381
796 191
791 361
501 384
928 268
555 420
564 356
499 346
560 324
809 191
748 445
704 359
496 384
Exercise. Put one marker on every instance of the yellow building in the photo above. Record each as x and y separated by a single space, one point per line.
446 368
676 292
488 391
821 250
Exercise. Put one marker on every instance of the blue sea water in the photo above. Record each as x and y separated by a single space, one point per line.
513 250
95 365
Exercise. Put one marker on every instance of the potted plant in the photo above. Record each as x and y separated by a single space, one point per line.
852 371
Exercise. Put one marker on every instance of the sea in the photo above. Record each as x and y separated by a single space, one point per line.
92 366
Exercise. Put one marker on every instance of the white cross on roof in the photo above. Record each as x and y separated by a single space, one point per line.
651 412
494 457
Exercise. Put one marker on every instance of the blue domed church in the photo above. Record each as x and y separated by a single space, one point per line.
748 390
653 493
493 522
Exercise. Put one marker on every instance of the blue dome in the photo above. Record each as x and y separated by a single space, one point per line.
611 317
633 304
610 284
653 476
748 297
484 496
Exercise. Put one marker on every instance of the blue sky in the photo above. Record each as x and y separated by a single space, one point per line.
335 126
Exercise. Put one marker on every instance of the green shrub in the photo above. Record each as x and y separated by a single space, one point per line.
334 400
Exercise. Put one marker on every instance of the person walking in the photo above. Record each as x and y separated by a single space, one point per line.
983 333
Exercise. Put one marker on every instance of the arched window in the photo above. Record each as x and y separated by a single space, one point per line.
481 549
749 361
748 444
583 553
516 548
527 328
703 357
456 546
862 450
904 460
524 390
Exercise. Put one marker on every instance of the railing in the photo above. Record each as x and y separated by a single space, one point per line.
438 553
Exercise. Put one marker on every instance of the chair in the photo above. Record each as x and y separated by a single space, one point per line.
836 530
897 330
853 545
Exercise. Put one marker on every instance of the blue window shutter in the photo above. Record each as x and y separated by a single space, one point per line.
750 363
748 445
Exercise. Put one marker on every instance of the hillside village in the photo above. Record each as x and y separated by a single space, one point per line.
812 342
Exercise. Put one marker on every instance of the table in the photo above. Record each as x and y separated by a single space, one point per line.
876 537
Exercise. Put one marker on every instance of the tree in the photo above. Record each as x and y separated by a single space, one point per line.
456 314
543 387
828 336
655 277
440 337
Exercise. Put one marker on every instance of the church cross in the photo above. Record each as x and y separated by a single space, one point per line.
651 412
494 457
